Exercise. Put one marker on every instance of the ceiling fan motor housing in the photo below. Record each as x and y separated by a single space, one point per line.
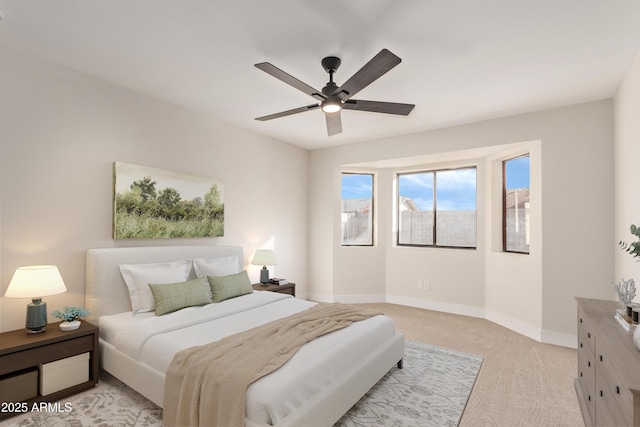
331 64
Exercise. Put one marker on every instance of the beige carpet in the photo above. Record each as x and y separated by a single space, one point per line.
522 382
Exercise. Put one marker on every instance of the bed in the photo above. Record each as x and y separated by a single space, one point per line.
315 387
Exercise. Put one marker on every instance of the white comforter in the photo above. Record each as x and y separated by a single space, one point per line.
153 340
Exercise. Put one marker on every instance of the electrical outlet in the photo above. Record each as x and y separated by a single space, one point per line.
420 285
426 285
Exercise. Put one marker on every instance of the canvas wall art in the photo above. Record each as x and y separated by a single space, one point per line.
153 203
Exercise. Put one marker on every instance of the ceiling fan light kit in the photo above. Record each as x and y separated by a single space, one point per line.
331 105
333 99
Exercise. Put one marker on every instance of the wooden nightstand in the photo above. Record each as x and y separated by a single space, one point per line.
22 353
289 288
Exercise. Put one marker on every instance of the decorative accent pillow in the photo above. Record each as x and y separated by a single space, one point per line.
222 266
170 297
230 286
138 276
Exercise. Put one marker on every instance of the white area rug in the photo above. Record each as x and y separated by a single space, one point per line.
431 390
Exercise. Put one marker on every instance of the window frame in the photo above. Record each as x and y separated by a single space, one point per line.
435 208
504 203
373 209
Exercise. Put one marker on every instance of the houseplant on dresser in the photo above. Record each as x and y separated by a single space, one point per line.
70 316
632 249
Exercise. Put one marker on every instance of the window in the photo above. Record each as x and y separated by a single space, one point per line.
515 205
437 208
357 209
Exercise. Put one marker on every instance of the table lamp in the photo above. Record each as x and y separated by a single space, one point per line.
35 282
264 257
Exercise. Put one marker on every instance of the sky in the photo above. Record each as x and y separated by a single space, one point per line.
518 173
456 188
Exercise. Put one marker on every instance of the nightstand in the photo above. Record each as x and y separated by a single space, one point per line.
35 364
289 288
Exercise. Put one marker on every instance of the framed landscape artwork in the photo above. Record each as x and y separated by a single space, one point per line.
153 203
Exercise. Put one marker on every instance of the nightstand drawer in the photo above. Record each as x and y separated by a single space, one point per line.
46 353
288 288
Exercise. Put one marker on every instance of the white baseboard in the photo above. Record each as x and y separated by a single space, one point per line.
515 325
359 299
464 310
559 338
312 296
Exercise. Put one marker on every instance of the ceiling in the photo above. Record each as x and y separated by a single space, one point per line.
462 60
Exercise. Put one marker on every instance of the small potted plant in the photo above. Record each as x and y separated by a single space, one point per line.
70 316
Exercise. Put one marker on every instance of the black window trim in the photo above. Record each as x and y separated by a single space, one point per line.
504 203
435 209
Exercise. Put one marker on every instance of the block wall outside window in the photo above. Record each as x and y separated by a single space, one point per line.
357 209
516 221
438 208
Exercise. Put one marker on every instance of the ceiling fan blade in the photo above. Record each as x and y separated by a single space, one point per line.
378 107
372 70
290 80
288 112
334 123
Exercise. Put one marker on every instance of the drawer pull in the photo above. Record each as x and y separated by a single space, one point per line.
589 363
581 374
601 394
588 334
617 390
581 320
601 358
580 345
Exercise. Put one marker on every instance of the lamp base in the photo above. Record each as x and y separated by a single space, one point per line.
264 275
36 316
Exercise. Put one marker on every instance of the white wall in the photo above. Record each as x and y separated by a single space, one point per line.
62 131
573 256
627 159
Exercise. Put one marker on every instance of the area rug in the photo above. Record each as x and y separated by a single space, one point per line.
431 390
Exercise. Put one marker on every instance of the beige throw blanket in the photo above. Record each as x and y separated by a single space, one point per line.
206 385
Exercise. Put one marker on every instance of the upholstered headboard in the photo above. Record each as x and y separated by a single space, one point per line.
106 292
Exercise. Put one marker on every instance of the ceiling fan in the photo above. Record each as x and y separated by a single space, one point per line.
334 98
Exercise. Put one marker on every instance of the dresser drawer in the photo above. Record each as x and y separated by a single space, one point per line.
586 353
603 416
587 373
612 389
586 336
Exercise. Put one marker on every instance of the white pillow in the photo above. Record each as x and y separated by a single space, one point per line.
138 276
222 266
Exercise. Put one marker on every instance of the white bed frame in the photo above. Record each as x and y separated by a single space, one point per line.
106 293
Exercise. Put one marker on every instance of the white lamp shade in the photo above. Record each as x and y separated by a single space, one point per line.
264 257
35 281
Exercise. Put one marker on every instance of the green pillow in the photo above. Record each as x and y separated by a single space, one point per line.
233 285
171 297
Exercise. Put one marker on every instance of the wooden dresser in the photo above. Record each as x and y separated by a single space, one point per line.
608 383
